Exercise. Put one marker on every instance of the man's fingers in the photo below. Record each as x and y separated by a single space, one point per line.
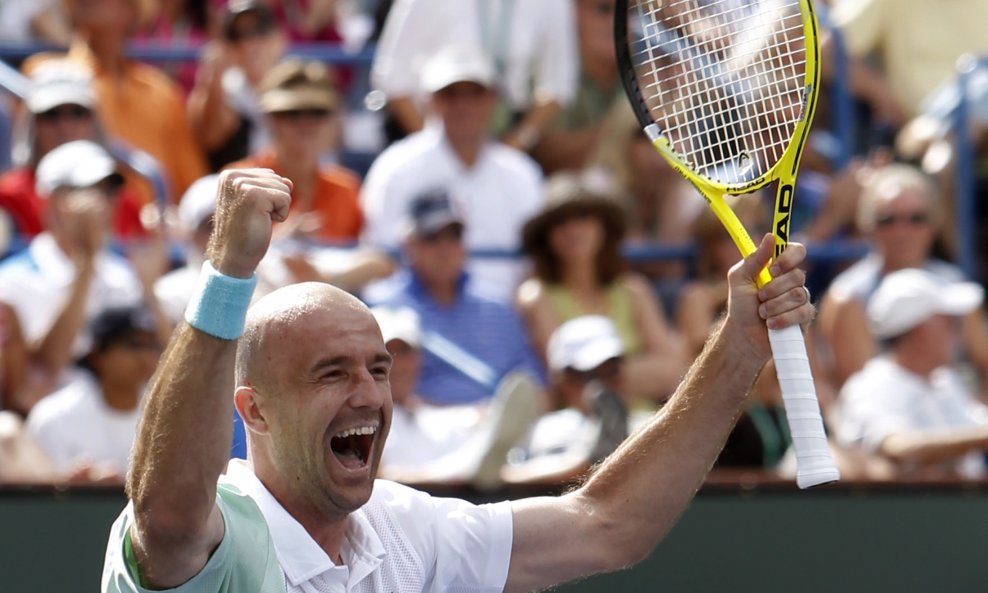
785 300
792 257
752 265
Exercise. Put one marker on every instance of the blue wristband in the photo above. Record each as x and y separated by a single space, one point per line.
219 304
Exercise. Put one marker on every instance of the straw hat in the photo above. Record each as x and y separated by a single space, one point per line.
569 196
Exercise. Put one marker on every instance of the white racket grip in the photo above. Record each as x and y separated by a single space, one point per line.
814 465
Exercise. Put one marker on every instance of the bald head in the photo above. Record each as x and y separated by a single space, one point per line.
280 317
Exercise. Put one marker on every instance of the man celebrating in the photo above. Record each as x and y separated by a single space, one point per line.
305 513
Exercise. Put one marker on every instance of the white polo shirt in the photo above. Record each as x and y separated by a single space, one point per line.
532 42
75 424
401 541
501 191
883 398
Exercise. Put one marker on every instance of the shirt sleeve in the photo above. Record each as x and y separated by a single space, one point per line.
557 69
468 545
394 70
245 560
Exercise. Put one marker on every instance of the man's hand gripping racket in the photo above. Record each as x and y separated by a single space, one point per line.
726 91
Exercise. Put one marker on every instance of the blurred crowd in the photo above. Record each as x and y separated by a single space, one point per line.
481 182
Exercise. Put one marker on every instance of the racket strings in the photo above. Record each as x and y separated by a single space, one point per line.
723 79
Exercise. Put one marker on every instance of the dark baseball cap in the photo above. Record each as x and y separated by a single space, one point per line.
431 212
117 324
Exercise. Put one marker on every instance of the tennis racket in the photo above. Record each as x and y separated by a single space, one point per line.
726 90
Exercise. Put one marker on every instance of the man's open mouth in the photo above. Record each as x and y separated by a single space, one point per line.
352 447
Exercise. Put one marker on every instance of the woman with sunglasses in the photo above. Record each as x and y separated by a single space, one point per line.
900 214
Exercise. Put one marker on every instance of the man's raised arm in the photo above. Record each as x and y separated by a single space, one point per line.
183 440
637 494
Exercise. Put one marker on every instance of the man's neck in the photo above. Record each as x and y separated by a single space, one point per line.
583 277
467 151
915 362
602 72
120 398
442 293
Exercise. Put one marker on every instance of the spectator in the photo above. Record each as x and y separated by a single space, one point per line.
898 211
138 103
909 404
447 444
224 106
575 245
498 186
60 108
178 23
67 275
573 135
88 426
303 104
480 340
532 46
585 356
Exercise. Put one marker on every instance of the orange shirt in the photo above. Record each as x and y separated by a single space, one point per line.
144 108
335 197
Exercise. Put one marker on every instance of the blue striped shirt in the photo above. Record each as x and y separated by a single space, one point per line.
488 330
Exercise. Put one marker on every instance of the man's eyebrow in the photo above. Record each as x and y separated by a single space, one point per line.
343 359
323 363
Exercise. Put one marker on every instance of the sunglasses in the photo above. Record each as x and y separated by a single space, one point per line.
64 112
295 114
911 218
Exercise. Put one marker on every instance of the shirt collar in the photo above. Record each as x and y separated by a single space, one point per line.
417 288
299 555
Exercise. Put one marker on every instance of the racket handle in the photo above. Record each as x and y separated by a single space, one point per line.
814 465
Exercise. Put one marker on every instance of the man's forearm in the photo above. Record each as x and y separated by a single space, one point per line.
54 352
934 446
183 441
648 481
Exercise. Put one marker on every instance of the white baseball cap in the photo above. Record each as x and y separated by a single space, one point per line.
59 82
199 201
584 343
906 298
79 163
454 64
399 323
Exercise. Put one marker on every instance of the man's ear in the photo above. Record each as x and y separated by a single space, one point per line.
245 399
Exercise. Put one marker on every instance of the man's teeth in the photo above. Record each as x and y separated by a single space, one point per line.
359 430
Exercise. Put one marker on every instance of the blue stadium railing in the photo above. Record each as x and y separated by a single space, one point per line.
966 188
842 127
